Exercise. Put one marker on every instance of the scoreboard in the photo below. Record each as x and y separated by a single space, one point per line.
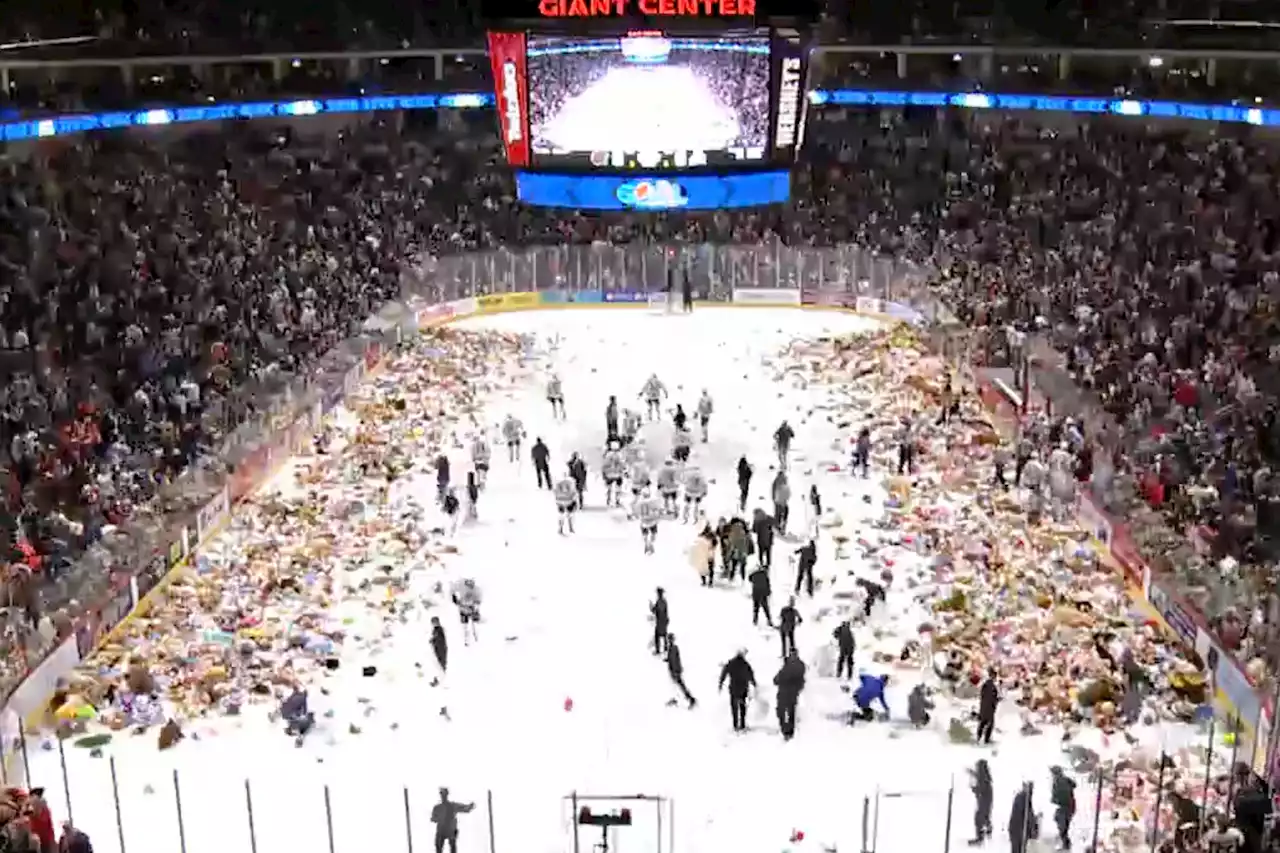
676 159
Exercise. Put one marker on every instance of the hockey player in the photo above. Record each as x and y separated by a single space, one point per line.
704 413
695 490
806 559
442 476
480 459
846 645
578 472
640 482
983 795
679 418
781 492
611 419
1062 794
631 423
788 619
652 394
744 483
661 615
782 443
650 511
742 679
790 683
566 493
541 463
297 716
736 545
675 668
512 434
763 527
669 486
681 442
862 452
555 396
466 595
870 690
452 509
761 589
612 469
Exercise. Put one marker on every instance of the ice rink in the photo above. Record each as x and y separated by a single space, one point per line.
566 618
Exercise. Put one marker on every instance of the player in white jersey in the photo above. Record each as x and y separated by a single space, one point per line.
652 394
613 469
480 459
650 512
640 481
633 453
512 434
704 413
669 486
681 443
555 395
695 490
566 494
466 595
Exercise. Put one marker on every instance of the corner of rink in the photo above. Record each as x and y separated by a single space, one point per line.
332 578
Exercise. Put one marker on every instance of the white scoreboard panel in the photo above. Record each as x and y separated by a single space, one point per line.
674 160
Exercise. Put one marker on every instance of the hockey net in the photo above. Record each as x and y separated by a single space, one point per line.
921 821
661 303
650 830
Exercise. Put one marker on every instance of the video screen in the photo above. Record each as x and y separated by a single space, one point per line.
649 101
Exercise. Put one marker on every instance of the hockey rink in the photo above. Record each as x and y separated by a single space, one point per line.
561 692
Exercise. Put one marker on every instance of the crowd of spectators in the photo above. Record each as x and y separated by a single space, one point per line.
145 285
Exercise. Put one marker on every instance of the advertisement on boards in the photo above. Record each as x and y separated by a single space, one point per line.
902 313
434 315
1177 617
32 694
1097 523
97 622
372 354
506 301
464 307
625 296
1233 684
868 305
830 298
756 296
211 515
507 56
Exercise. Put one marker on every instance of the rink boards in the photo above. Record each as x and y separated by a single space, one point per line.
29 702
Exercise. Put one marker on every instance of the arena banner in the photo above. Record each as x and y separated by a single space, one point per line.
507 56
506 302
764 296
625 296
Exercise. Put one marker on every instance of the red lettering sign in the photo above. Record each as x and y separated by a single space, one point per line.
649 8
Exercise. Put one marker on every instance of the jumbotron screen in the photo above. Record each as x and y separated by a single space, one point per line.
648 101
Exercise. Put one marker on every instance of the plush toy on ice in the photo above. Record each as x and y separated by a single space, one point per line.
870 691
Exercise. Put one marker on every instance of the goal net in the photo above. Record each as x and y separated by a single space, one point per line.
649 830
925 821
661 303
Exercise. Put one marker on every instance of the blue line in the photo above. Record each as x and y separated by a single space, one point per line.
12 131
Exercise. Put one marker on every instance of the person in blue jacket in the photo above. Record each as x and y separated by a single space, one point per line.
870 690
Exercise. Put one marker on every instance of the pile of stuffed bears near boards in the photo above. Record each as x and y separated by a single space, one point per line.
323 560
997 589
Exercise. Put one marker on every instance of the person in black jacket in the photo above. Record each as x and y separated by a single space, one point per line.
763 526
983 796
1063 796
846 645
741 680
807 555
442 476
988 698
541 463
760 592
1023 826
578 473
790 682
675 668
744 483
611 420
788 619
660 621
1253 808
439 644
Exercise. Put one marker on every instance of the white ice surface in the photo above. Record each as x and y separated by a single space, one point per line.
566 618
